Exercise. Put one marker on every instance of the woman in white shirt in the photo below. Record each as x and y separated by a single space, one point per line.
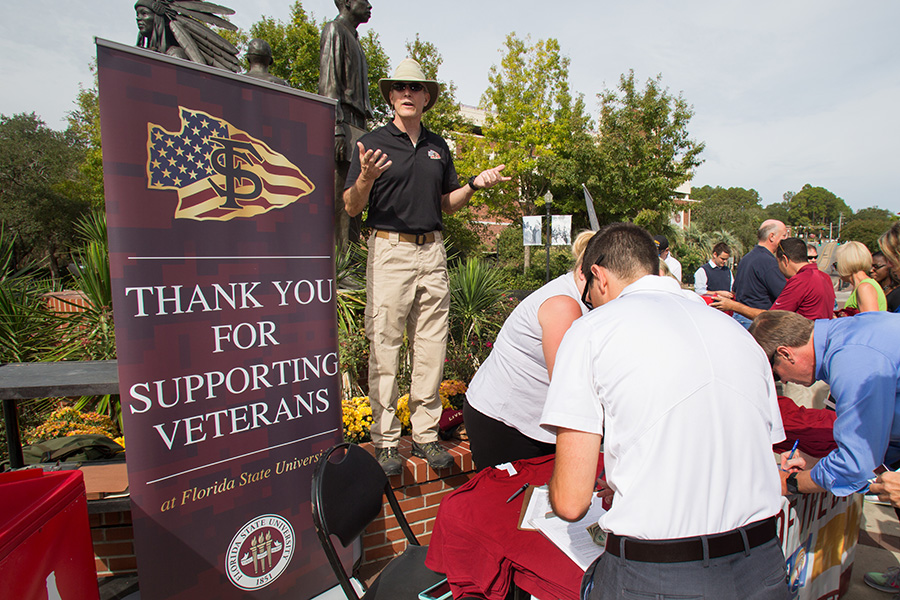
506 397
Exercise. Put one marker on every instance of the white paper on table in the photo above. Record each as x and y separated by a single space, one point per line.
572 538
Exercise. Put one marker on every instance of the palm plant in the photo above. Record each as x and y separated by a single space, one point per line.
26 327
89 334
351 291
733 241
475 289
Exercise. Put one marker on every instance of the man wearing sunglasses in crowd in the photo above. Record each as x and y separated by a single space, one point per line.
404 173
812 253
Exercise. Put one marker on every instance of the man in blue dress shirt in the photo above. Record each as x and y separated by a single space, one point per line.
859 357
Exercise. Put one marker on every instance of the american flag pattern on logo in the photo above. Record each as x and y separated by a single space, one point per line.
195 162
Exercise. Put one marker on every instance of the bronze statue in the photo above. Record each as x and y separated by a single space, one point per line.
344 75
176 28
259 55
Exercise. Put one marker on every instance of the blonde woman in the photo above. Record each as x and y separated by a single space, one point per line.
854 262
506 397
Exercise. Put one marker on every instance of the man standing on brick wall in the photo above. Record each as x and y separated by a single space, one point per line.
405 174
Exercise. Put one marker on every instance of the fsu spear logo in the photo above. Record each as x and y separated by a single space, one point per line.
220 172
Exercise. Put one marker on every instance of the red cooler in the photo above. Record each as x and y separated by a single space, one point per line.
45 538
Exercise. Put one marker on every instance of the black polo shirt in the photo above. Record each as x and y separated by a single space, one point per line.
407 197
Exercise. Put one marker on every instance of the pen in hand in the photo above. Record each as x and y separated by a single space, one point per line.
793 449
516 493
791 455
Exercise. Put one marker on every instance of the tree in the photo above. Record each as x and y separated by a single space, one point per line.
645 151
735 209
867 225
865 231
295 47
444 117
379 67
37 165
535 127
779 211
873 212
84 127
816 206
295 51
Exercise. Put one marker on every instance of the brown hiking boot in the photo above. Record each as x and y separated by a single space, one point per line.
390 460
434 453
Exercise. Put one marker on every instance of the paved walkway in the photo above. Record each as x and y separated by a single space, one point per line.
878 550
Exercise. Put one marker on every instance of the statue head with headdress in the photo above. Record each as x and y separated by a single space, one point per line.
153 28
178 28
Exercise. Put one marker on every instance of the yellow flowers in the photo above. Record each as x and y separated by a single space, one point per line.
452 392
358 411
357 419
68 420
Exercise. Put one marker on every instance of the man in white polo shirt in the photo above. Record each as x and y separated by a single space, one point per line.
687 441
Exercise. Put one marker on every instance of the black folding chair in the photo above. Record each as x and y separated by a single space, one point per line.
347 489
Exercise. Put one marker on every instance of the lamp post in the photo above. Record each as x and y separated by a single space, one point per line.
548 200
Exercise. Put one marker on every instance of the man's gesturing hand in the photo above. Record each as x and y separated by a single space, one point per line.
491 177
372 164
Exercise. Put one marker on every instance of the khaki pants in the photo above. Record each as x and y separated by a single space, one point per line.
407 289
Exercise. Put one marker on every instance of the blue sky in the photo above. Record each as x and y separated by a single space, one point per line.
785 93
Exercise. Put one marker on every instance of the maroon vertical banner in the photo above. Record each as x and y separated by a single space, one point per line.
219 195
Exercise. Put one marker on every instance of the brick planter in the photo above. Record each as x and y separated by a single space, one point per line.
419 490
113 540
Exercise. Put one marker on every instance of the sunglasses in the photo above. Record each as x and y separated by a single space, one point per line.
812 257
401 86
586 294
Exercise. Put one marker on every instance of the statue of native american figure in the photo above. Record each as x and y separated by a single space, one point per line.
176 28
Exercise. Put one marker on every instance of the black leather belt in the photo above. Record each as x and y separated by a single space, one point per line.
691 549
418 239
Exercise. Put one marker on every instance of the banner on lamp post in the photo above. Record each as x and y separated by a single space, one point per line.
531 231
561 228
219 198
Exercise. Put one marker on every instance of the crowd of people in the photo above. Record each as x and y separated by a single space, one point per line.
687 440
717 377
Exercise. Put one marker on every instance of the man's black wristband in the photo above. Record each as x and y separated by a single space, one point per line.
471 183
791 484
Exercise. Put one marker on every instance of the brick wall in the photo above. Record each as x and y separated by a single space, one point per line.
67 302
419 490
113 540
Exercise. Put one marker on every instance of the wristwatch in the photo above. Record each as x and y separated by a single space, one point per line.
471 183
791 484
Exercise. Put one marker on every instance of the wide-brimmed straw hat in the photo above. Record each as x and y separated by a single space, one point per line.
410 70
